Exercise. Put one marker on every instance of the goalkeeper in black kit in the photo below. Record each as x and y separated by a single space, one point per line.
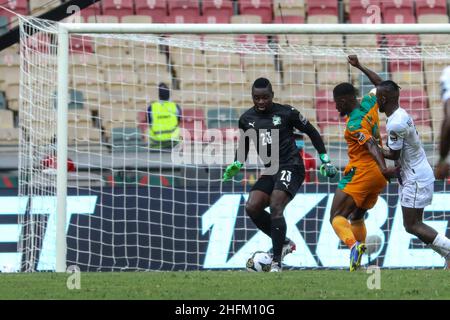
271 126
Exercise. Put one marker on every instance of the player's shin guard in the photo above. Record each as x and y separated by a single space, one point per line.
359 230
278 233
263 222
343 230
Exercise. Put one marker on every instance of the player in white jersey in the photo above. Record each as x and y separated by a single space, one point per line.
416 177
444 147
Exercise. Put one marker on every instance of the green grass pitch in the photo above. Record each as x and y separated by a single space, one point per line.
236 285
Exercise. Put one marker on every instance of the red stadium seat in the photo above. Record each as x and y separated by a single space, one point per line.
18 6
326 108
217 11
78 44
193 121
157 9
416 104
431 7
399 17
323 7
262 8
365 11
185 19
118 8
398 11
289 19
184 11
92 10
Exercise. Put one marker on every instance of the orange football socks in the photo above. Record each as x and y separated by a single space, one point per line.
359 230
343 230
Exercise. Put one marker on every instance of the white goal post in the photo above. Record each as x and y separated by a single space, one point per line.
64 30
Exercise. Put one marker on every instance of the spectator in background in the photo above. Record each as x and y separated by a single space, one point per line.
308 159
164 120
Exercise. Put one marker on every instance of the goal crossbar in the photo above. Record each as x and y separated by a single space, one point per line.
191 28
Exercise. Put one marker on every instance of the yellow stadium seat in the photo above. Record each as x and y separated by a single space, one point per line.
38 7
361 40
223 60
78 135
432 18
136 19
434 39
246 18
322 18
294 40
187 57
7 117
289 8
103 19
9 136
329 40
258 62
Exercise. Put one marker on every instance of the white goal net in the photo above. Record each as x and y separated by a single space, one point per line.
134 204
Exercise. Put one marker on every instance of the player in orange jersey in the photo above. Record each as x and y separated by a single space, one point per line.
366 173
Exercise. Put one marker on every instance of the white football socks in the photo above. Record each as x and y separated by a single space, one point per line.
441 244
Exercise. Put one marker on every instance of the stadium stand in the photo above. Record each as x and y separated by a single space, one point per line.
262 8
156 9
81 45
196 71
92 10
292 8
289 19
360 11
217 11
398 11
298 70
136 19
18 6
38 7
118 8
125 139
183 11
102 19
324 7
7 117
193 121
431 7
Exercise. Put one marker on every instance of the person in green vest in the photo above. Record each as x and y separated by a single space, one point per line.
164 118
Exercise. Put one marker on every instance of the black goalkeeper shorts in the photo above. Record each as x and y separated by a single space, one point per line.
288 178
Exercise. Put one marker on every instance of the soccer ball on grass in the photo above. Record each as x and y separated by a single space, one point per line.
259 261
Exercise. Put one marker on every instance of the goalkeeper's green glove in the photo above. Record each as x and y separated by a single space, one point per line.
232 170
327 169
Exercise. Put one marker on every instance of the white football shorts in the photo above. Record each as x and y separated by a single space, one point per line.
413 196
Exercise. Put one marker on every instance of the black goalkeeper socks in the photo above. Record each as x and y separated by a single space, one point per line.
278 234
263 222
